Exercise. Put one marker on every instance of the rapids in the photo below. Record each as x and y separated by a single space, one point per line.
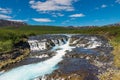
31 71
89 47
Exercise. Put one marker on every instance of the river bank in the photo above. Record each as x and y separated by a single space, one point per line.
12 57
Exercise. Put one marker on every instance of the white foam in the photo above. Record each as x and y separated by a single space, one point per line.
35 45
41 56
93 43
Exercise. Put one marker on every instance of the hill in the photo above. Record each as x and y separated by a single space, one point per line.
11 23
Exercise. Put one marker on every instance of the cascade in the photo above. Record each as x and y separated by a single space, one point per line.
31 71
60 46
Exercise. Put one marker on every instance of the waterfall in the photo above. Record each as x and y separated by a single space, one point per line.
31 71
35 45
39 45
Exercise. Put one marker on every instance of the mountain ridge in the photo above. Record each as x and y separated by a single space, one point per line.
4 23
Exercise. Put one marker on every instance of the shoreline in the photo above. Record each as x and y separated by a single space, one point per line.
8 62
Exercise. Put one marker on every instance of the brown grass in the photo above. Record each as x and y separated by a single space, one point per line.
116 53
110 74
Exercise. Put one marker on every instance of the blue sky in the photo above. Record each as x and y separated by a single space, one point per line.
61 12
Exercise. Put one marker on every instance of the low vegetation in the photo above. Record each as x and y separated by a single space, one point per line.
3 46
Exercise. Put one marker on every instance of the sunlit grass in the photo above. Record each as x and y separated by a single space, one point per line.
110 74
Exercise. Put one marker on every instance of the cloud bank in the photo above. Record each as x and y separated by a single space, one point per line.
52 5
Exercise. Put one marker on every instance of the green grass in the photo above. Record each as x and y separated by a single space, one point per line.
6 45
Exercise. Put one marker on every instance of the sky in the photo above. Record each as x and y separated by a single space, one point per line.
61 12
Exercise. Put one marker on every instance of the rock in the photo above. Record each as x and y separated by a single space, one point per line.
73 69
12 57
22 45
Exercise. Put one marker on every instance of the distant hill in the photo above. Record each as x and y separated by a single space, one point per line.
11 23
115 24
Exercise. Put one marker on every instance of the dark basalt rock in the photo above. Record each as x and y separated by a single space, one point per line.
22 45
91 54
10 55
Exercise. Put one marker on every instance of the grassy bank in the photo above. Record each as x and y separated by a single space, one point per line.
116 53
113 74
110 74
23 53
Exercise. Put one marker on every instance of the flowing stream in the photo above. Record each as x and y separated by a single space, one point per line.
31 71
87 48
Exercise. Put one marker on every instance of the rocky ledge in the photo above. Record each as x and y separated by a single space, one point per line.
6 59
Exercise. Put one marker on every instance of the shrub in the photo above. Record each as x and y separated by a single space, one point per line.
5 45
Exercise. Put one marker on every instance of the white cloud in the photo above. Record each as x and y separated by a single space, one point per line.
57 14
5 10
77 15
103 6
52 5
117 1
42 19
60 14
17 20
2 16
